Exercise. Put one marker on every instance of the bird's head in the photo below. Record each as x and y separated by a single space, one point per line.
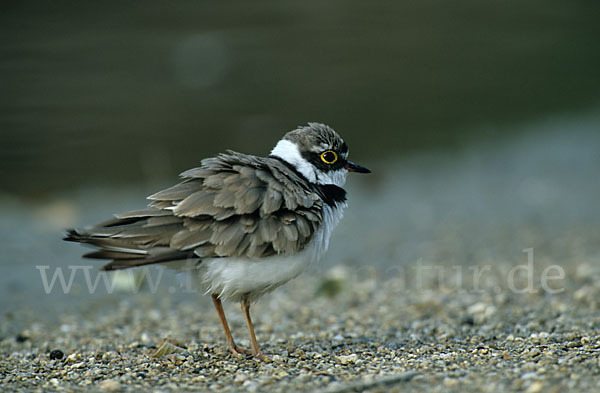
318 153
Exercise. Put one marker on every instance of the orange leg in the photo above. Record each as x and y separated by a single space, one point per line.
234 349
246 310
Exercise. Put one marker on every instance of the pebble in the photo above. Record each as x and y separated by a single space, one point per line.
450 381
240 378
250 386
20 338
345 359
110 385
56 354
535 387
528 375
72 358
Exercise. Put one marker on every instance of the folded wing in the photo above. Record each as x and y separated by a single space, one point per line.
233 205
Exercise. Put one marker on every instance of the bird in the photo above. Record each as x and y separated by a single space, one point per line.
242 225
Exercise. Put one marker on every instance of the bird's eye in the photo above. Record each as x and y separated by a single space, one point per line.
329 156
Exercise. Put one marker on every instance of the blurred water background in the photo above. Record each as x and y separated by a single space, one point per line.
480 120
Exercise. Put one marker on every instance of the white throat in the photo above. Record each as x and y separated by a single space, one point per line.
289 152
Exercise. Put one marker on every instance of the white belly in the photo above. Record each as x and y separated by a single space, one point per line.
233 278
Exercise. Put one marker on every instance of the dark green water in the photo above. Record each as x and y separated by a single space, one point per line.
122 92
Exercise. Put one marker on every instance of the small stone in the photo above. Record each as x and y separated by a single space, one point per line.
585 340
21 338
345 359
303 378
110 385
477 308
450 381
240 378
72 358
250 386
108 355
56 354
535 387
581 293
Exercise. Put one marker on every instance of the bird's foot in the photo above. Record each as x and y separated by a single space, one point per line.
262 357
241 352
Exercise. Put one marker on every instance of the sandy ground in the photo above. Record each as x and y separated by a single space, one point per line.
426 287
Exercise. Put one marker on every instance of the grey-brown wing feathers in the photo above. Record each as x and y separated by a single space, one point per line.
234 205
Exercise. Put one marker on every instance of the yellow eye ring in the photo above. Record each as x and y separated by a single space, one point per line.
329 157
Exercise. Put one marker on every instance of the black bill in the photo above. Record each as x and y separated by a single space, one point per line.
352 167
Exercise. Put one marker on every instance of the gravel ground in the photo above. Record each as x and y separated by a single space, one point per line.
425 288
325 334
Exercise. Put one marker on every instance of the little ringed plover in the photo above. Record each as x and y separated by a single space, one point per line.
242 225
